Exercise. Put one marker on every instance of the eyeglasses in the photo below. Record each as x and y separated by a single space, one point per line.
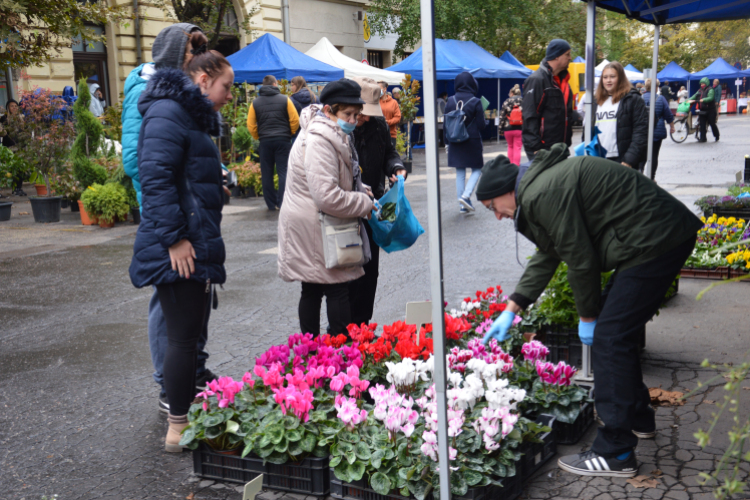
491 207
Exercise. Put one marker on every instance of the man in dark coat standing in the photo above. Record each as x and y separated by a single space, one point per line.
596 216
272 118
548 103
378 159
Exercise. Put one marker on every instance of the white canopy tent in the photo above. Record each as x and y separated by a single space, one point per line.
324 51
632 76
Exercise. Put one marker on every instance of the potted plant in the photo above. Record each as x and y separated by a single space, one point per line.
87 142
401 150
248 177
11 166
64 184
43 137
107 203
408 106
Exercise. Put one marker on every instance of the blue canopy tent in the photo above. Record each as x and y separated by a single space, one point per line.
632 68
673 72
453 57
719 70
511 59
579 59
270 56
456 56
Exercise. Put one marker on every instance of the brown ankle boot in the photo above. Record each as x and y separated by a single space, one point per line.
174 434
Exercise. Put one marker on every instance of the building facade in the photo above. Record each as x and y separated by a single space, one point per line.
108 64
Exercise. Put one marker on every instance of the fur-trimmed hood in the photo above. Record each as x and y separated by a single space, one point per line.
173 84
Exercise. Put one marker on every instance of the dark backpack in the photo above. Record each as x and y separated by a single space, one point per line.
455 126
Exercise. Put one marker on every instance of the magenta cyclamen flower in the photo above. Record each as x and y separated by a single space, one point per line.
534 350
560 374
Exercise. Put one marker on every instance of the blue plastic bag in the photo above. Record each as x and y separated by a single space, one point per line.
593 148
404 231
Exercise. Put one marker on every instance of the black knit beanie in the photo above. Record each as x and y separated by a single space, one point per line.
556 48
498 178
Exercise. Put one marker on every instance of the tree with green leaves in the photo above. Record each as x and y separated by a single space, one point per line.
87 142
523 27
32 31
211 16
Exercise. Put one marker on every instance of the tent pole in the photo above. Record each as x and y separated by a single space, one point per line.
590 69
652 107
497 113
435 238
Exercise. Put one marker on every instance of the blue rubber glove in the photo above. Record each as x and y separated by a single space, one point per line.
499 329
586 332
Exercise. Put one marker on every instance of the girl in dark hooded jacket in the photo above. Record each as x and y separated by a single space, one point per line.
467 154
178 247
301 96
621 117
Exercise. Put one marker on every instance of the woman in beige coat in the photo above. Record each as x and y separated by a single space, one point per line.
323 176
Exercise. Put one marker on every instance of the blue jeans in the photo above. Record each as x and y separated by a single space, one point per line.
157 340
466 190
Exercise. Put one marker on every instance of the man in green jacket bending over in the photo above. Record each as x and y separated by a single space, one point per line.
596 216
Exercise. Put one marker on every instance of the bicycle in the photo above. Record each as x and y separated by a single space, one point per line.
684 126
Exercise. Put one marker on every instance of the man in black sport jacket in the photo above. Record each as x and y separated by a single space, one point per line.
548 103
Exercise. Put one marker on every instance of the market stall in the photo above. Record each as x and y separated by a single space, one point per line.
728 76
270 56
324 51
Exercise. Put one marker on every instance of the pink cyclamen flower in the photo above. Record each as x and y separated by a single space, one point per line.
534 350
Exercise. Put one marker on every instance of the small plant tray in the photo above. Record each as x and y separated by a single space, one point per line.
309 477
572 433
535 455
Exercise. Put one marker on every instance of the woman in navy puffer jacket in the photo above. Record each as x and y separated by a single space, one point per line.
467 154
178 246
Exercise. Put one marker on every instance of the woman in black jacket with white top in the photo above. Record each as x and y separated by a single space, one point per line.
621 117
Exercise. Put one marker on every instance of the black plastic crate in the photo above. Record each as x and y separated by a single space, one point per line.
360 490
227 468
535 455
563 344
737 213
309 477
572 433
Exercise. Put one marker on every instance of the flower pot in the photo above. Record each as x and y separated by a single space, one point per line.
46 209
106 225
226 197
41 189
64 203
136 213
86 218
5 210
74 206
234 452
236 192
407 166
250 192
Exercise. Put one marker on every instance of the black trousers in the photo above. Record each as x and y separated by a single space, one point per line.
654 161
184 305
274 152
631 298
362 290
337 305
708 119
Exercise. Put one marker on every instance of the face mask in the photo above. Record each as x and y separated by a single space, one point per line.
381 93
347 127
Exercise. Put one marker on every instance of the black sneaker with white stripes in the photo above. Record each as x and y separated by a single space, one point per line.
589 463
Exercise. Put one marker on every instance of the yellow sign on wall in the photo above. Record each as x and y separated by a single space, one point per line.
366 26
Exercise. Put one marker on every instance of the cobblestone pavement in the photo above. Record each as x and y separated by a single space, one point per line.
78 413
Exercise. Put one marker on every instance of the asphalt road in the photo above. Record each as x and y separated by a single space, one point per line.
78 405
